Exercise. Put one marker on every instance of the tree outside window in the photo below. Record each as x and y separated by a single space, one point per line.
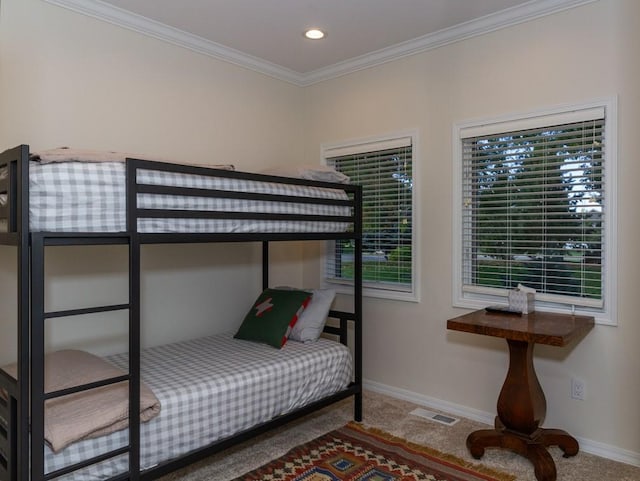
535 206
533 211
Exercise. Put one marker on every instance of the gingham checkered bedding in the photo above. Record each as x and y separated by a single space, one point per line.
90 197
211 388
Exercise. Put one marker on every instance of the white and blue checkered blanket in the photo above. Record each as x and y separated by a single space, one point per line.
210 389
90 197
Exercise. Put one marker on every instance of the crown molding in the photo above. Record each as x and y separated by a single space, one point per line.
503 19
489 23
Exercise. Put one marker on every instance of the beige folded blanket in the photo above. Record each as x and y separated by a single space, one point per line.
91 413
68 154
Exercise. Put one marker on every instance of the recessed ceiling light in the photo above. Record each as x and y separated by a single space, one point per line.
314 34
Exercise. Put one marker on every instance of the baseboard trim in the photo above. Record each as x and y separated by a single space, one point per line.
587 445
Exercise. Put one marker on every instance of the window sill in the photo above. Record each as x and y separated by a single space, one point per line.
373 292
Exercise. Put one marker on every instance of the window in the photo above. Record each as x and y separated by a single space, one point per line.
384 168
535 208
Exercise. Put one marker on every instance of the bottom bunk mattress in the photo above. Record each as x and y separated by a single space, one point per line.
210 389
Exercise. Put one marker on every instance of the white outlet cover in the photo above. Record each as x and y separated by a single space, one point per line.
577 389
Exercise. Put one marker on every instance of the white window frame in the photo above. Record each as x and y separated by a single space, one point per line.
547 117
328 150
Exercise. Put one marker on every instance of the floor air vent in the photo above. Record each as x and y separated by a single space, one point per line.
439 418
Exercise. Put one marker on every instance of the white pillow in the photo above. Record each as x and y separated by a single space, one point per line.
309 172
312 320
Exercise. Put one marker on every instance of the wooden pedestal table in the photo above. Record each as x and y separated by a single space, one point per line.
521 404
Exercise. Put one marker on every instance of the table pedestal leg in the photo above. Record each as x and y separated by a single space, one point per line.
521 410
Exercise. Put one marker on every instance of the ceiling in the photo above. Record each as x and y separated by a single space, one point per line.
267 35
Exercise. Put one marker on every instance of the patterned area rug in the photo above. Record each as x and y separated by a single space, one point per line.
355 453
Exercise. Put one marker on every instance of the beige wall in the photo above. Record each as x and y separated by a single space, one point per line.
70 80
575 56
67 79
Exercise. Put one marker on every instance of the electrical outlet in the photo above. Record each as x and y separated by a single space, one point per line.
577 389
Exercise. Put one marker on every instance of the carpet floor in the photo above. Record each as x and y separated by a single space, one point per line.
393 416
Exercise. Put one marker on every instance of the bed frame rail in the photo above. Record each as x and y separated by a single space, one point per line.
14 434
135 213
342 331
7 192
8 427
13 188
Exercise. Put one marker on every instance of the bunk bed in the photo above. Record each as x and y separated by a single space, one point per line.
155 203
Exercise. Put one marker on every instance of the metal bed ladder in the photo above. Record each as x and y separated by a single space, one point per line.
37 326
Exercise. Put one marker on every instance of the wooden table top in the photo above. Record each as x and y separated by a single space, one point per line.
538 327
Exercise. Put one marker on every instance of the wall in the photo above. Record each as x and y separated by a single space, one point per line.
67 79
579 55
70 80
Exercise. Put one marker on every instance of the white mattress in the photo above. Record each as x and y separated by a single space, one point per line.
211 388
90 197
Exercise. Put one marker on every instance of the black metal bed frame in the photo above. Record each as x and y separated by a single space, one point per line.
22 410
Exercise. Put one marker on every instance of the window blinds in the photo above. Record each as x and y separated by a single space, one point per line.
385 174
533 211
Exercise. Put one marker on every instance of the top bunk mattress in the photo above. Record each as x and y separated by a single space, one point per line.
91 197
